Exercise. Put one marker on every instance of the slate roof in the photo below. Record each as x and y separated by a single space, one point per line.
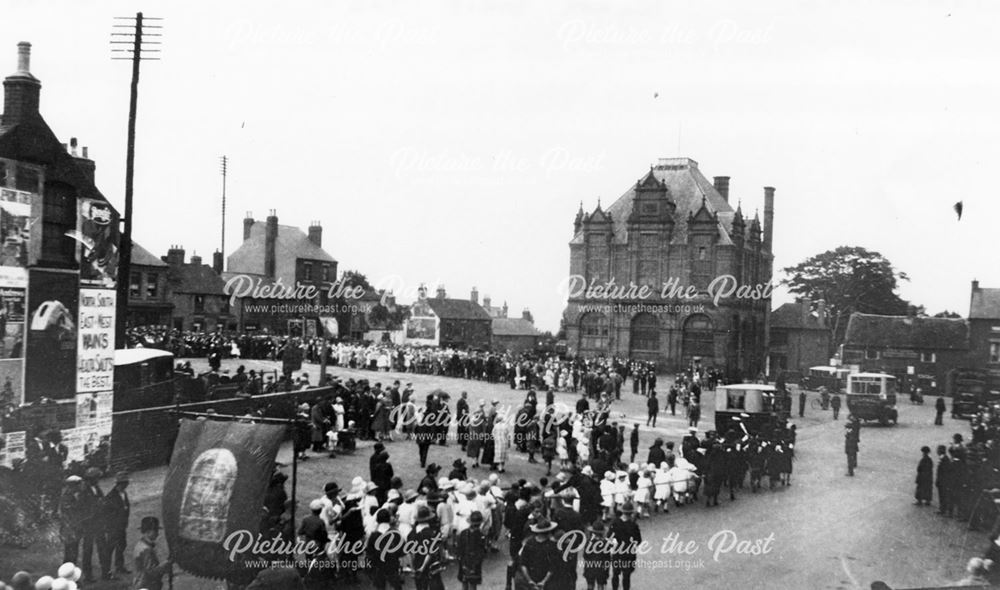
457 309
196 278
514 327
688 188
907 332
142 257
985 304
789 316
292 244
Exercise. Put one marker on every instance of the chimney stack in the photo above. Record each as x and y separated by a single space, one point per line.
195 260
526 315
722 186
821 312
217 262
806 311
270 245
474 297
441 292
316 234
503 310
175 256
486 302
247 225
768 217
21 90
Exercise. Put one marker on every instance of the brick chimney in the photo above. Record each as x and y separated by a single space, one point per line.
82 161
270 244
217 262
526 315
247 225
821 312
474 296
316 234
806 310
503 310
722 186
441 294
195 260
21 90
486 302
768 217
175 256
972 295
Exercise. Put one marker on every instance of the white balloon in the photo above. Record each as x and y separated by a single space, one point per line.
77 574
44 583
60 584
71 586
66 570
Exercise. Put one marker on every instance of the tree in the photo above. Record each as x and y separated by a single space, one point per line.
849 279
353 278
947 314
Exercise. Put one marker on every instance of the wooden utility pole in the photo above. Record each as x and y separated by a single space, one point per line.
125 247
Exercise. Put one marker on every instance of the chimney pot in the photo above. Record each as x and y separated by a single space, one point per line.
217 262
975 284
474 296
24 57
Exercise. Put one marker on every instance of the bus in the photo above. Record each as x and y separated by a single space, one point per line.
761 408
872 397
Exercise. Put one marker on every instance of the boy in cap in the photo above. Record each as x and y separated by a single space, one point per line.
148 569
627 537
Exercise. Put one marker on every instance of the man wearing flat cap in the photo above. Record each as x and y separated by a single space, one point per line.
148 569
94 526
70 518
116 513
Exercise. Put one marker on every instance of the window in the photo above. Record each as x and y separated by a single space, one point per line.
597 259
326 273
307 271
995 352
593 332
199 303
928 357
151 286
872 355
649 261
58 217
134 285
701 267
645 333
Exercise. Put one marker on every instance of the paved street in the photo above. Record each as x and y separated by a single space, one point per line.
827 530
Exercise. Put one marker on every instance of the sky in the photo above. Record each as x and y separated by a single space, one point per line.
451 142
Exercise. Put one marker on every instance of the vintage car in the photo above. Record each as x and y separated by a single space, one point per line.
968 393
872 397
759 407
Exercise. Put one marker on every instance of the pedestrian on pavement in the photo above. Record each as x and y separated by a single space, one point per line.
116 512
835 405
653 408
672 400
939 408
694 414
802 403
925 478
851 443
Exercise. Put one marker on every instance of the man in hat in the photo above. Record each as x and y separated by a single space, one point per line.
331 514
94 526
429 483
470 550
626 536
538 558
851 442
148 569
70 521
596 557
116 512
385 552
423 433
428 558
458 470
462 419
312 531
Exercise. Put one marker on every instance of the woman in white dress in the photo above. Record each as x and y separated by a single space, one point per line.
501 443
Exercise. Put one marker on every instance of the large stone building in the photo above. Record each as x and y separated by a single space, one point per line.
799 338
984 333
672 228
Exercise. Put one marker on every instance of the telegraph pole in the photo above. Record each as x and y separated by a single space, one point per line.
132 43
224 165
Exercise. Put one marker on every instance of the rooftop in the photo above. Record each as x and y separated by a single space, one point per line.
883 331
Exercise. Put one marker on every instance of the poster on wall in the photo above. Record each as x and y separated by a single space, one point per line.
11 384
15 227
96 343
99 241
13 448
11 322
50 364
421 328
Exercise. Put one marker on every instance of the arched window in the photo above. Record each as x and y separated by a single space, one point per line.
698 336
594 332
645 333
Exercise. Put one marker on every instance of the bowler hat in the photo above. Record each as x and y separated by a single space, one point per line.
149 523
476 518
424 514
331 487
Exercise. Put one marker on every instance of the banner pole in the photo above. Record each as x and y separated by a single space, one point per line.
295 475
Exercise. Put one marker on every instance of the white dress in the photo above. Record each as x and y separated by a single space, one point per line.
662 482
